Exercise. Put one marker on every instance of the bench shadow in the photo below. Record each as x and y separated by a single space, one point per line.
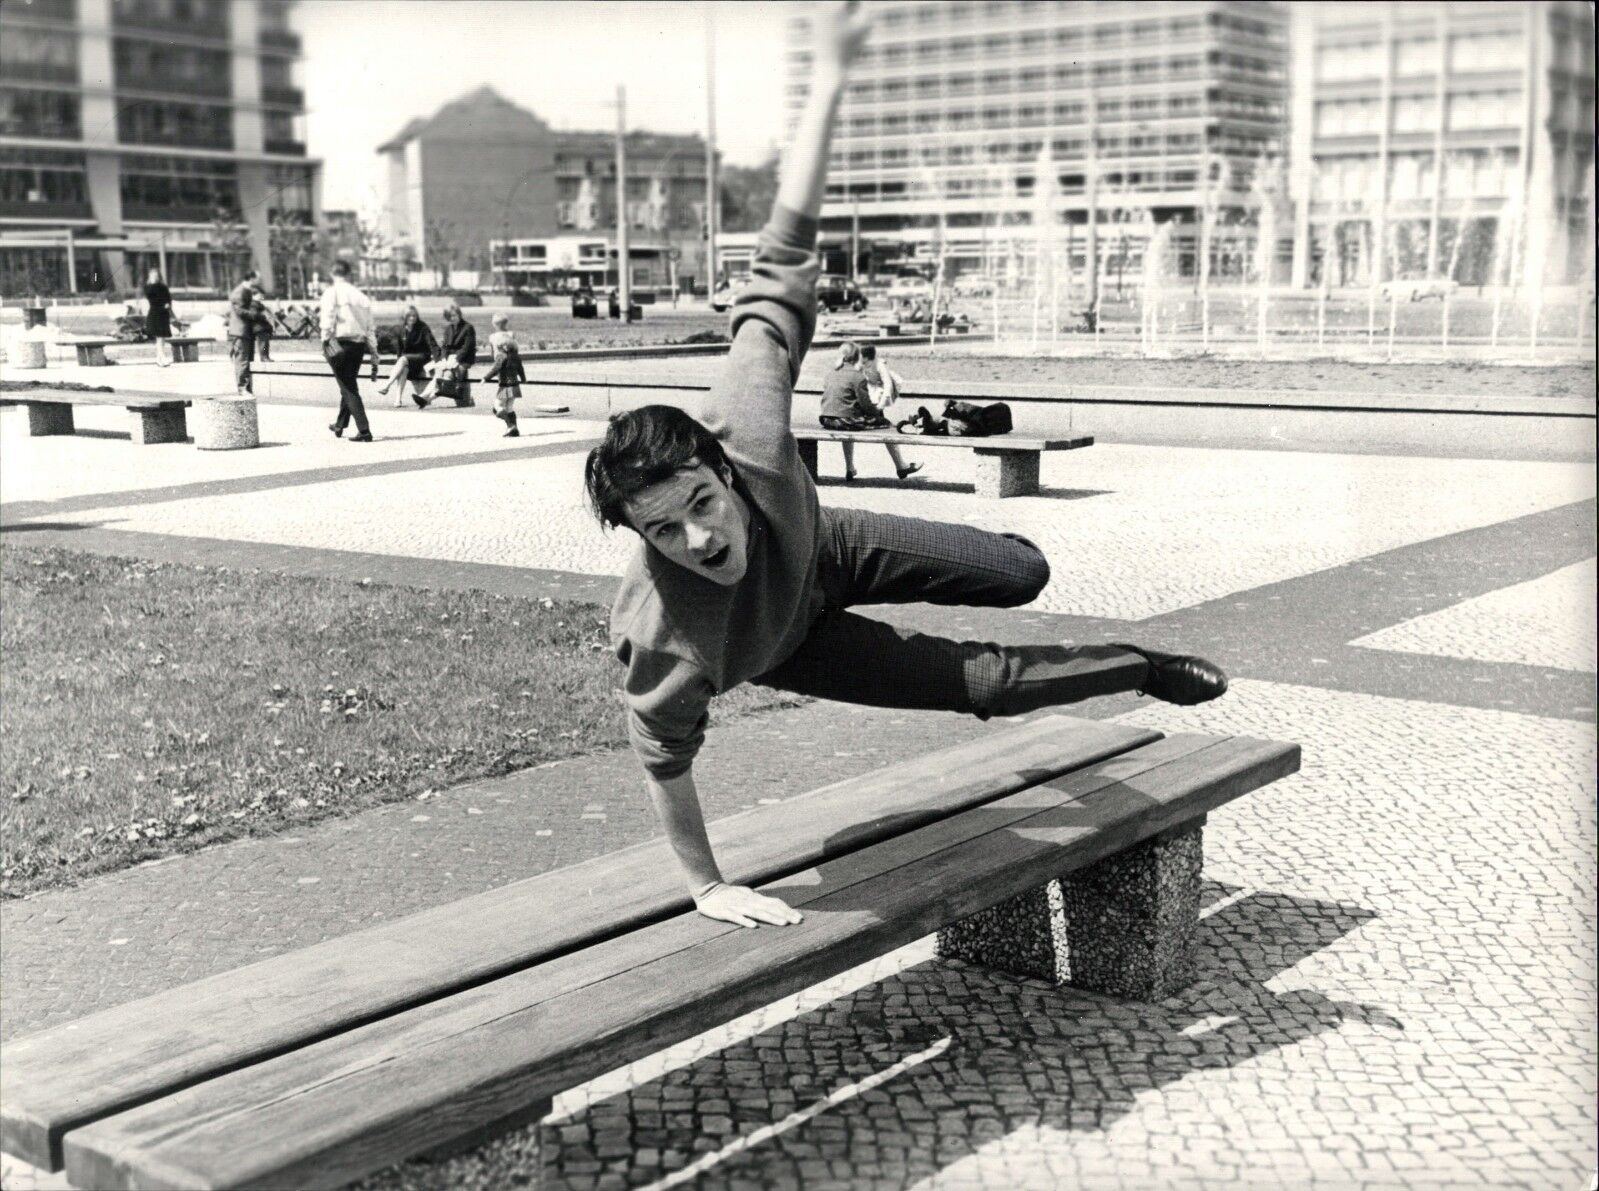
918 483
1074 493
31 526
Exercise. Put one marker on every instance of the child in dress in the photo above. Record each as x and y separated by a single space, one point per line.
507 370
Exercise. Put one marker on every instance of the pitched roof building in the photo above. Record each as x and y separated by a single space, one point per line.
482 169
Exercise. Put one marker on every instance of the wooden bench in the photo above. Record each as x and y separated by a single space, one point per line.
91 352
895 327
159 419
186 348
318 1066
1007 464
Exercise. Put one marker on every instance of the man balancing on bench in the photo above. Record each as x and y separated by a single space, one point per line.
742 577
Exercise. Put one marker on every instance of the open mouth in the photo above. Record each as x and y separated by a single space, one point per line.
712 561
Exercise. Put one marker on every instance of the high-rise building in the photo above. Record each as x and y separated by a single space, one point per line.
974 132
1447 139
483 183
138 134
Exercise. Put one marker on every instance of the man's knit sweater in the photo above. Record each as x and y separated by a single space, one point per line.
682 637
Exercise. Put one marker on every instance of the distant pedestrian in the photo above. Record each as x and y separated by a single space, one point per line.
241 329
457 353
348 333
415 350
507 370
262 323
158 316
846 405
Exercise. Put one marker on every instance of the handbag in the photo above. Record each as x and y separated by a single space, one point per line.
977 421
924 423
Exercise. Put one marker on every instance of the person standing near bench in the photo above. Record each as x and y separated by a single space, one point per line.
158 316
847 405
741 576
348 333
241 331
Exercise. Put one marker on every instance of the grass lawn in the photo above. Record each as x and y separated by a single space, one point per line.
149 708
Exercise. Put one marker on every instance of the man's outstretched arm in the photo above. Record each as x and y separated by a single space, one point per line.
677 803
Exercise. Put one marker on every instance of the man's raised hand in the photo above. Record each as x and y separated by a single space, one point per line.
840 28
742 906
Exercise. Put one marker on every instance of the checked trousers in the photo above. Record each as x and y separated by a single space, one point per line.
876 558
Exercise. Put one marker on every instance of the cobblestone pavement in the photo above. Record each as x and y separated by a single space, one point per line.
1398 946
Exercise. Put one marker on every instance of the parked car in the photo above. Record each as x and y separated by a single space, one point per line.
835 293
1415 289
583 304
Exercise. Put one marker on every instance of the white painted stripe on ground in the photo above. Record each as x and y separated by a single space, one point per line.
1230 899
766 1132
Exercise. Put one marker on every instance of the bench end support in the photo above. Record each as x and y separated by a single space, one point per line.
1123 926
1002 473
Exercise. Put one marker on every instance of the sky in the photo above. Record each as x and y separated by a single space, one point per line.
371 65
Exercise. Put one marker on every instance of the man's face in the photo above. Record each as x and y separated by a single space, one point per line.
696 520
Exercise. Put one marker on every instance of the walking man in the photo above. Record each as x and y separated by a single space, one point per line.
241 330
348 333
742 576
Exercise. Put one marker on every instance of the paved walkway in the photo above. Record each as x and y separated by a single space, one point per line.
1398 944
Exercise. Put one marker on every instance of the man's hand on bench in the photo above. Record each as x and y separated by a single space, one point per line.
742 906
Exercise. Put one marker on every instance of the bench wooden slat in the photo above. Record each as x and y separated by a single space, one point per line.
340 1108
995 442
82 1071
129 400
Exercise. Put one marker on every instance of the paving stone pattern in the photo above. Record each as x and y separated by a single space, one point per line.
1395 953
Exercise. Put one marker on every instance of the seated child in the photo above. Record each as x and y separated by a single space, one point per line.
507 370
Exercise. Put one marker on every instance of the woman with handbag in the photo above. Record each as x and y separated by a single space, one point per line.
458 352
847 405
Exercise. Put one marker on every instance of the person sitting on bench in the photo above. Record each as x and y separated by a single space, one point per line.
847 405
741 575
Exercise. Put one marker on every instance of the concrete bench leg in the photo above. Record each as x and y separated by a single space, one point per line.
808 455
186 353
1002 473
1123 926
92 356
160 426
49 417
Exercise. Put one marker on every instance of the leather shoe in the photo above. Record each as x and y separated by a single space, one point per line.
338 431
367 438
1179 678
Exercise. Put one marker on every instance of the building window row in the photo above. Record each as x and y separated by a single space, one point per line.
1417 114
39 55
29 177
205 18
1355 181
56 115
191 190
1469 53
142 65
172 122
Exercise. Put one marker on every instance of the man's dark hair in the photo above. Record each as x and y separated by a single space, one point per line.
251 272
642 448
341 268
868 351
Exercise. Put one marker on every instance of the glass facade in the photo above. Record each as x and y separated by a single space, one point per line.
179 189
54 115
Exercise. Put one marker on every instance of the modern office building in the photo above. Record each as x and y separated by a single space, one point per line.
1443 140
977 131
147 133
484 184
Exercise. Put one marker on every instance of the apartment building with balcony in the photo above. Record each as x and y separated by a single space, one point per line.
1443 139
148 133
974 132
485 184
